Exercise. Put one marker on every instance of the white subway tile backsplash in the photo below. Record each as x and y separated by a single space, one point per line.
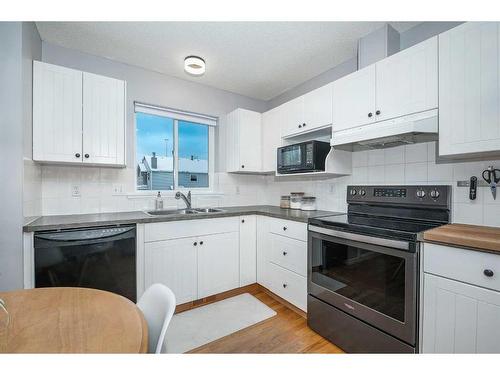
411 164
394 174
416 173
376 175
439 172
360 159
467 213
376 157
394 155
416 153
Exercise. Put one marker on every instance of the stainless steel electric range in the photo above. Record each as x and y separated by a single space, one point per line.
363 267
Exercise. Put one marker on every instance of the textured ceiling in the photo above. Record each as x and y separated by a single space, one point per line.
256 59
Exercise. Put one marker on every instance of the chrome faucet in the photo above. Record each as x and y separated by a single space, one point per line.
186 200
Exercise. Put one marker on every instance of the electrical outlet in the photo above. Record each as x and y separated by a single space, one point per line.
117 189
332 188
237 190
75 191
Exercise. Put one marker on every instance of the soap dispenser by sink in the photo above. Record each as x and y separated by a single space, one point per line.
158 202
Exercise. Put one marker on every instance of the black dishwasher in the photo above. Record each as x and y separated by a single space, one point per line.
99 257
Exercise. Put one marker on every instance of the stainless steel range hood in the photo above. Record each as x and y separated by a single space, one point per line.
415 128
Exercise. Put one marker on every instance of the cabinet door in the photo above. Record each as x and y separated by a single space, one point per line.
292 116
318 108
103 120
407 82
218 263
354 99
172 263
271 139
469 89
250 141
459 318
57 113
248 250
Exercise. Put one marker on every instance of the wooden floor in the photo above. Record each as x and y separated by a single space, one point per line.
286 332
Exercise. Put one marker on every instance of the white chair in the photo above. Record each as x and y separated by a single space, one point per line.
158 306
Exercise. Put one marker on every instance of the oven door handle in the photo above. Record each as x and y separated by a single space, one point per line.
361 238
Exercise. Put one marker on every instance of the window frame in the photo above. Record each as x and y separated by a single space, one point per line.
177 116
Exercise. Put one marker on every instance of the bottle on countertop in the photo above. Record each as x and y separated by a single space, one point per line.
158 202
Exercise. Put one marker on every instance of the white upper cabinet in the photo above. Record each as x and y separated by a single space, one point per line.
318 108
271 139
307 112
103 120
399 85
78 117
354 99
291 114
407 82
57 113
469 89
243 141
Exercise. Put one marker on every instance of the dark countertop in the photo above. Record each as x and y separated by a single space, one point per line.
89 220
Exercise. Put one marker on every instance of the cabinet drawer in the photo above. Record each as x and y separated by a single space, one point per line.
190 228
463 265
288 253
288 285
288 228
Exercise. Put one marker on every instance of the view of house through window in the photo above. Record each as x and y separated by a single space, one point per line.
171 153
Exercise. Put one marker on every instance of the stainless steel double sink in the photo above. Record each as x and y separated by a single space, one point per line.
186 211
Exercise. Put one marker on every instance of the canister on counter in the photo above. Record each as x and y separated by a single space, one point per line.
296 200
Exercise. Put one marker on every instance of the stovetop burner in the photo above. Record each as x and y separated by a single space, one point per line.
376 226
399 212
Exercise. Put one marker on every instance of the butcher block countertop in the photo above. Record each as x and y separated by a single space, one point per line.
471 236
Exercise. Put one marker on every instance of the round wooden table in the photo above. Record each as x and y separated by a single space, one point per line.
73 320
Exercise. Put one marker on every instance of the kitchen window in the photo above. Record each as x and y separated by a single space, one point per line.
174 149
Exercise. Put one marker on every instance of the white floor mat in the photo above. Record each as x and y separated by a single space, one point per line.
194 328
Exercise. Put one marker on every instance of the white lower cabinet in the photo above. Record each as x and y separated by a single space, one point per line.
193 266
172 263
218 263
200 258
248 250
282 259
458 317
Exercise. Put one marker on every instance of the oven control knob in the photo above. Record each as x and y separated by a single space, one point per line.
353 192
434 194
362 193
420 193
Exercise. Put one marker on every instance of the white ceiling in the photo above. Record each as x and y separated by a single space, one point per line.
256 59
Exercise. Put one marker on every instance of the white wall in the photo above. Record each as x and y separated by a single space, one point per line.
32 175
11 151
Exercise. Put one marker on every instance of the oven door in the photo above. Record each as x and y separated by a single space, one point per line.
291 158
372 279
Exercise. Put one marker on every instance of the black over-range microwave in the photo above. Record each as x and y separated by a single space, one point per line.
302 157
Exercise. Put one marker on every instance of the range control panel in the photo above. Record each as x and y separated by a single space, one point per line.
429 195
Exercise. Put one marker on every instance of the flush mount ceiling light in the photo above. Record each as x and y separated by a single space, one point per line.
194 65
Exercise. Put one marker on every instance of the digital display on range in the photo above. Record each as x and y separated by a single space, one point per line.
389 193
